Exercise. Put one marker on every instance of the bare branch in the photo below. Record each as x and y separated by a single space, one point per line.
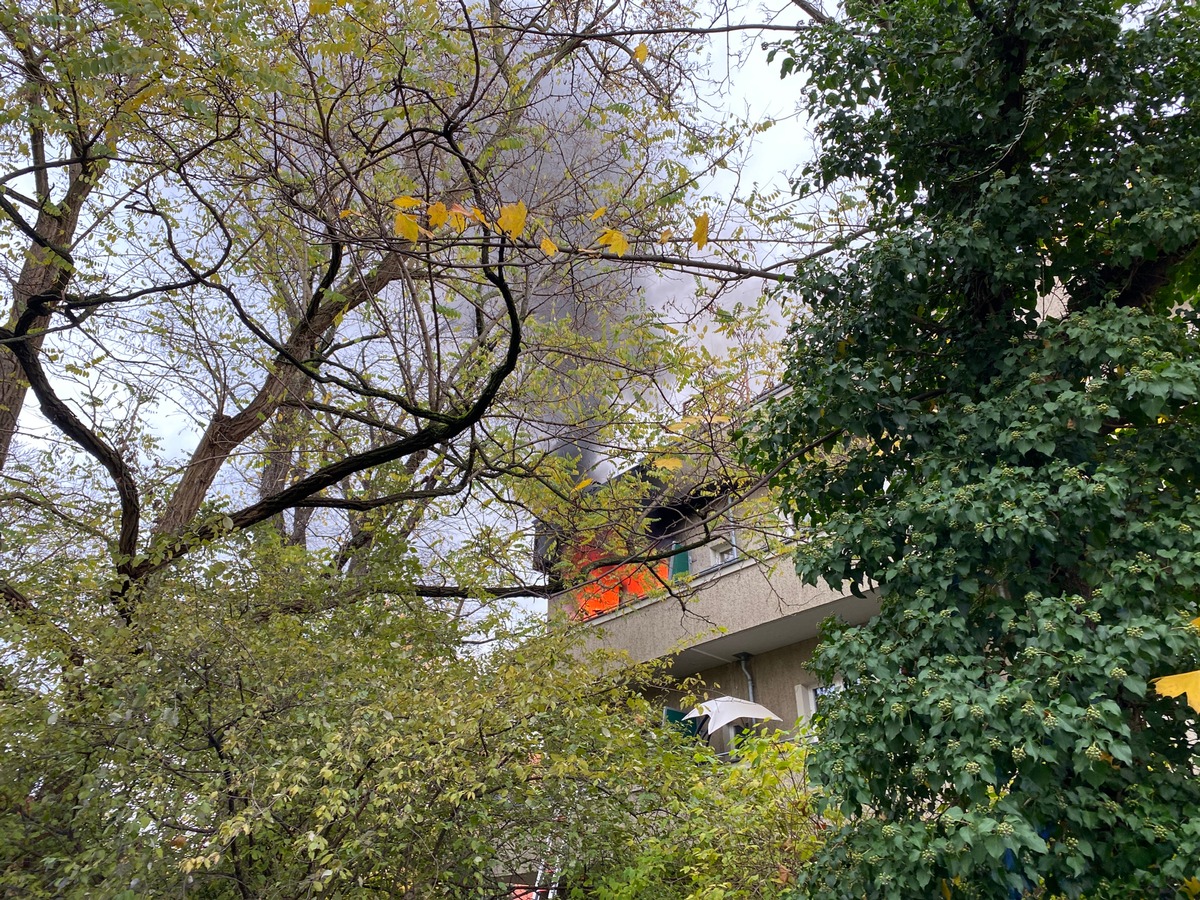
814 12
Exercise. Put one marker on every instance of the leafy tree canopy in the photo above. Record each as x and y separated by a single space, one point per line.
1000 387
322 266
310 309
266 735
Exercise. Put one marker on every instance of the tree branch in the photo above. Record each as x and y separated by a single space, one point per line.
61 416
814 12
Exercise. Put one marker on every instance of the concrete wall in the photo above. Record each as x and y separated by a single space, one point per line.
776 675
747 607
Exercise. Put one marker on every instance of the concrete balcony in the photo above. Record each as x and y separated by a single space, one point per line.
746 606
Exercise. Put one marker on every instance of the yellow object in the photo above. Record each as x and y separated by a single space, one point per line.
614 241
700 233
406 227
512 219
438 214
1188 683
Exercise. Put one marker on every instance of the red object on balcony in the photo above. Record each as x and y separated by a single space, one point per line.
610 586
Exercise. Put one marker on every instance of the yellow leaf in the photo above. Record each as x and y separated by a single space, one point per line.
614 241
438 214
1173 685
1196 621
407 227
319 7
512 219
458 218
666 235
598 213
641 52
406 203
700 234
582 484
549 247
348 212
670 463
1191 887
477 214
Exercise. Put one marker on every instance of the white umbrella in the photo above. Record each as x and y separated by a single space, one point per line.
724 710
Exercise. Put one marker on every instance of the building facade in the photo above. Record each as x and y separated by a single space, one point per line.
729 611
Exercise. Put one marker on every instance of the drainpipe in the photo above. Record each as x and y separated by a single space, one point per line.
744 658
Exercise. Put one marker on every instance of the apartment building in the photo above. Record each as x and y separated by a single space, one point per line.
727 607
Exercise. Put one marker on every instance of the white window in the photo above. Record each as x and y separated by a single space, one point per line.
809 696
724 548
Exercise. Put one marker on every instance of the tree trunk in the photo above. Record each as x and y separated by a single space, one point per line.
44 275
